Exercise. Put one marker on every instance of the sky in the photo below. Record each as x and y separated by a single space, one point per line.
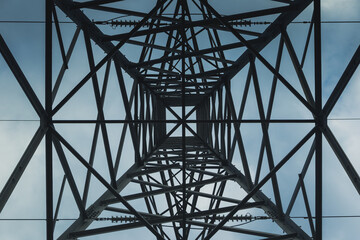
26 41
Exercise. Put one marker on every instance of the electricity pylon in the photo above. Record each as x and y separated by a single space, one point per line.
182 96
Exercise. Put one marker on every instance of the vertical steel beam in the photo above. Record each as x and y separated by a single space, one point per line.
319 121
49 6
183 119
318 185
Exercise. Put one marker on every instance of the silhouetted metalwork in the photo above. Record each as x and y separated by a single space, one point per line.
182 117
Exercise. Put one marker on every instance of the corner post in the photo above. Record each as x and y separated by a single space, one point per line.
319 120
48 120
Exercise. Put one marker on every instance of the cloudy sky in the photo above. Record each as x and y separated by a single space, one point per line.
19 121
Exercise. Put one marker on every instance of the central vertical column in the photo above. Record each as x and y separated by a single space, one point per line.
47 121
319 121
183 114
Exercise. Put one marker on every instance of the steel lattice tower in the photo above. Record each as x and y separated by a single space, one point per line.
179 95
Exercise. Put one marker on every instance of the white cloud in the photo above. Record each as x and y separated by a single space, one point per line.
340 9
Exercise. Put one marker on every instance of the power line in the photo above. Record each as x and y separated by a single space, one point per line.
74 219
335 21
36 219
30 21
331 216
297 22
85 121
19 120
344 119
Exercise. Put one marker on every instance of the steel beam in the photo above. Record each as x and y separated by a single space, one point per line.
112 51
99 105
267 36
342 83
256 189
97 207
64 66
181 166
287 224
266 137
49 7
93 3
343 158
319 121
307 205
155 219
264 39
69 176
20 77
20 167
298 68
253 192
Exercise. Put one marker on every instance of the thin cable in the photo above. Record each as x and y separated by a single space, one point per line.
298 22
36 219
74 219
344 119
331 216
29 21
335 21
34 120
19 120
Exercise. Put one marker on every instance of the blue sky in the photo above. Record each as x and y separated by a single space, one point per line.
26 42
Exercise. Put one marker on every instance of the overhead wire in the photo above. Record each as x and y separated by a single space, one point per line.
297 22
73 219
344 119
329 119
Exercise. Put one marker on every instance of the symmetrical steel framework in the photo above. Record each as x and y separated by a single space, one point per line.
183 110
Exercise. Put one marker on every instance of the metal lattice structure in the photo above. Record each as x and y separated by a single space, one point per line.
180 74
